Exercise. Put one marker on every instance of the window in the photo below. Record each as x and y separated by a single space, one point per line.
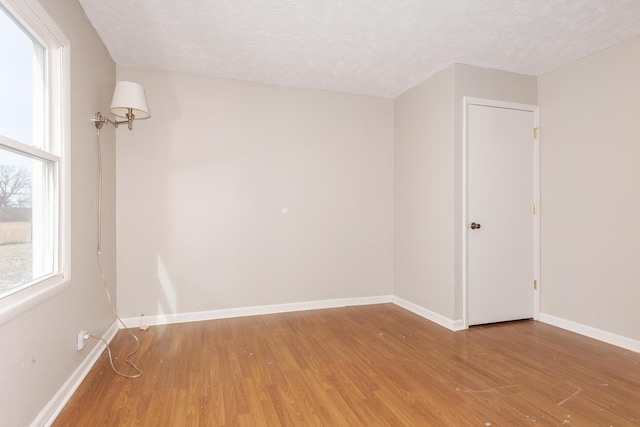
34 223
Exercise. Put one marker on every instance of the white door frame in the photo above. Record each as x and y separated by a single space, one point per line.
467 101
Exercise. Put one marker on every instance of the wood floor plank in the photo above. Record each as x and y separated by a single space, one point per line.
359 366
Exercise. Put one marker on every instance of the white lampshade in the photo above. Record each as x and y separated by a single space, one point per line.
129 95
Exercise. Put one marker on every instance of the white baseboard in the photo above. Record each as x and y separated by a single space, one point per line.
453 325
458 325
591 332
196 316
47 416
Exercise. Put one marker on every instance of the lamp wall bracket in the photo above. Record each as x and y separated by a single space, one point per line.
100 120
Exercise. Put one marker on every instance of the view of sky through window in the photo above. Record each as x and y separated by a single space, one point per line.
18 120
16 82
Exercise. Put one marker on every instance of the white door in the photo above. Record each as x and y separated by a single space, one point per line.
500 214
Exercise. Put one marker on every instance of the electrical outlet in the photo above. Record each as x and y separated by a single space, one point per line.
83 337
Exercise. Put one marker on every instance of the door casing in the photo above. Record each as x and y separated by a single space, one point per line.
467 101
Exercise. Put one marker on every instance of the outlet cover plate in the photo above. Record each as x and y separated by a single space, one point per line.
82 341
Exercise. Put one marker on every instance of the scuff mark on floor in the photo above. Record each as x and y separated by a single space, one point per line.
571 397
489 390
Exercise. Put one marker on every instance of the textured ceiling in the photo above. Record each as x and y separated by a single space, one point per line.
372 47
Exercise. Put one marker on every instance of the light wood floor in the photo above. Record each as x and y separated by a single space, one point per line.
361 366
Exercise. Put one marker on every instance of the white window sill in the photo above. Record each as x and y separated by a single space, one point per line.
13 305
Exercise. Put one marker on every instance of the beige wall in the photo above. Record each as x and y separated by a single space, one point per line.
237 194
38 349
423 194
590 203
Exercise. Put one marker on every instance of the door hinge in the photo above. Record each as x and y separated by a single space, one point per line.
535 284
535 209
535 133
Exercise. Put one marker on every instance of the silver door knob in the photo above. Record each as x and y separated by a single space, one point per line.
475 226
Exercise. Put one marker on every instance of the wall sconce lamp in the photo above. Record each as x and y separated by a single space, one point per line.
129 101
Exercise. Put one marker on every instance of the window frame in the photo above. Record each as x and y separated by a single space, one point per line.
34 19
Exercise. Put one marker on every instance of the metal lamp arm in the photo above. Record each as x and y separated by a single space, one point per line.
100 120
